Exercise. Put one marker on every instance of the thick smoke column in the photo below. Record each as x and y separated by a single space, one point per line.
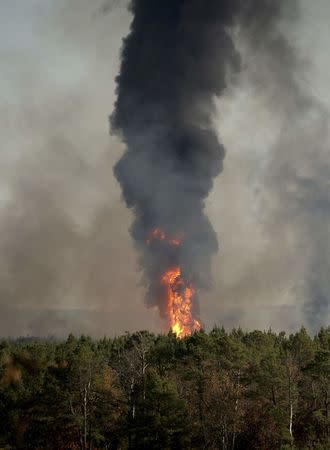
175 60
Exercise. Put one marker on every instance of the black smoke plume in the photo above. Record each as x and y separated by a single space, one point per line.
177 58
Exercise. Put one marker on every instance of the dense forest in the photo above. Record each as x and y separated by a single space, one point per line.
237 390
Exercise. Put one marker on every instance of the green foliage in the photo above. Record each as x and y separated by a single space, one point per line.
222 390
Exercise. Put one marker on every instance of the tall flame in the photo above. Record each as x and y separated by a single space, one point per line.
179 303
179 292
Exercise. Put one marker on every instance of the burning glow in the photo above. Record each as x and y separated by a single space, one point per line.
179 292
179 303
157 233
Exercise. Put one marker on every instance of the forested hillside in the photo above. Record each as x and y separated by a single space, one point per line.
237 390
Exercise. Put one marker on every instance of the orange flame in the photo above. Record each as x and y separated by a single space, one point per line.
157 233
179 303
179 293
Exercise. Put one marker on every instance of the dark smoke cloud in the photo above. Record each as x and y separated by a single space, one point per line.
67 262
176 59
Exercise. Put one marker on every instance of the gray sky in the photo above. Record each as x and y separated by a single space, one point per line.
67 262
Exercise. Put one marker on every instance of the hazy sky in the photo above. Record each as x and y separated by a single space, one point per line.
67 262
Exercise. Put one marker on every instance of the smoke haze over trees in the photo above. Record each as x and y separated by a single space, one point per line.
66 259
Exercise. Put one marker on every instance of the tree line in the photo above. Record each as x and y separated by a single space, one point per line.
220 390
